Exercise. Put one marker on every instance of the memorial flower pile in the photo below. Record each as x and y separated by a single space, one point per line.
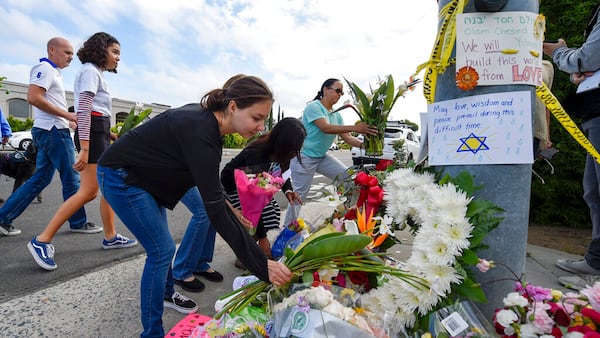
448 225
349 253
533 311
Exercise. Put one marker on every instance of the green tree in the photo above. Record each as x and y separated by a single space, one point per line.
558 200
2 78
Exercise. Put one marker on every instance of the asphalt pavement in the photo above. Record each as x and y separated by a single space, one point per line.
95 292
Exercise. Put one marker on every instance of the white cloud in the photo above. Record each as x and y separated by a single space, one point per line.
174 51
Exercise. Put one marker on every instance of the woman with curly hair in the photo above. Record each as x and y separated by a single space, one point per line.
93 104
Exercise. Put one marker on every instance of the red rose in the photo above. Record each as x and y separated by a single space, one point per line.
359 278
383 164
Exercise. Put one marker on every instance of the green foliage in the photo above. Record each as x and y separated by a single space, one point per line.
410 124
133 119
2 78
115 129
19 125
375 107
235 141
559 199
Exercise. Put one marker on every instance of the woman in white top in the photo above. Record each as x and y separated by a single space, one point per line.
101 52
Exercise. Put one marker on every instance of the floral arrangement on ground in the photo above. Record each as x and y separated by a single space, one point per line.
534 311
344 279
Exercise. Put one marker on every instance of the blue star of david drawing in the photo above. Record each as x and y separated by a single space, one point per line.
472 143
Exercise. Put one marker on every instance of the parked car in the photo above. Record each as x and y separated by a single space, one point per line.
20 140
392 135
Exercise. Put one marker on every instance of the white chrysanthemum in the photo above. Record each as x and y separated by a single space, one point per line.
444 275
444 232
378 298
440 251
428 301
405 319
458 233
444 216
449 197
418 258
407 298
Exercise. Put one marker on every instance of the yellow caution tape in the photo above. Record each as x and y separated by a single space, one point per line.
440 60
565 120
442 48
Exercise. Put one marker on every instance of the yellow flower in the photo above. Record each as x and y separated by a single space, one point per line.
301 223
556 295
359 310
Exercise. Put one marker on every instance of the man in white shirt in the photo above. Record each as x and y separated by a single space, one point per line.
52 137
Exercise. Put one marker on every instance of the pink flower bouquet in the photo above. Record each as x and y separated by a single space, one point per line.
533 311
255 192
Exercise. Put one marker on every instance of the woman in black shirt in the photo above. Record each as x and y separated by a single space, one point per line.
152 166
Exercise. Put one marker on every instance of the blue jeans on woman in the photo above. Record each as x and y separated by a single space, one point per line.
591 191
198 243
55 151
147 221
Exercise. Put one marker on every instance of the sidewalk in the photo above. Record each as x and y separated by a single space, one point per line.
105 303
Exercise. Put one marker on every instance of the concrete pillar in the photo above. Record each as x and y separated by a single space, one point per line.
508 186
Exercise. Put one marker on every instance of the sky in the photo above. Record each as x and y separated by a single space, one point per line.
174 51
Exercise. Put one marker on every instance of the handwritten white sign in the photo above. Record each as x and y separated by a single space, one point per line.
483 129
502 47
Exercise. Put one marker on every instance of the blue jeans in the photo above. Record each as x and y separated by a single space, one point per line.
198 242
591 191
147 221
55 151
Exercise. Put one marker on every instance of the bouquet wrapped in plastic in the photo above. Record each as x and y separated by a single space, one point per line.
255 191
319 311
292 235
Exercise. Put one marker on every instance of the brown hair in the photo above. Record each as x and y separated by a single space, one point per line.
245 91
94 49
